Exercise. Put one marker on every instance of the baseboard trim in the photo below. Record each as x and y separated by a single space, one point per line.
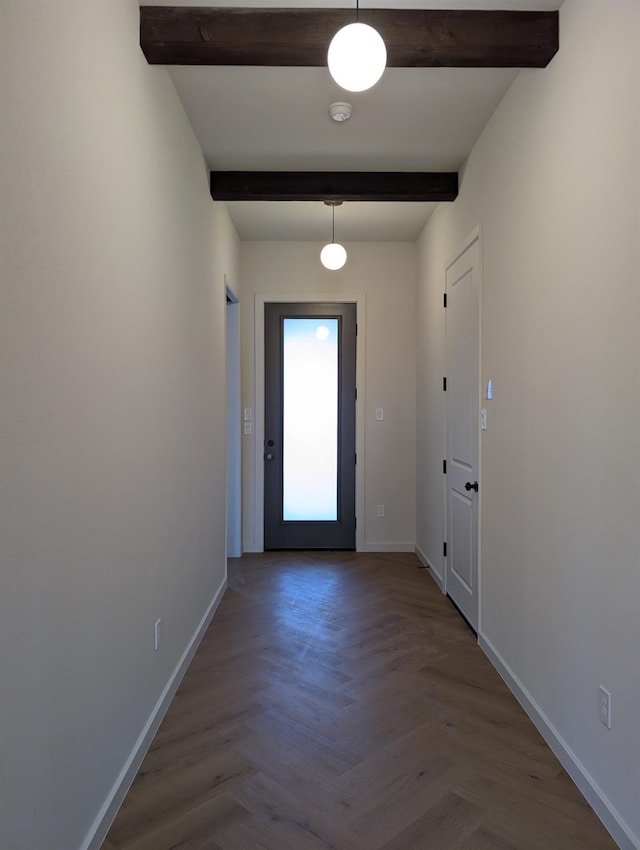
427 563
105 817
386 547
366 547
602 806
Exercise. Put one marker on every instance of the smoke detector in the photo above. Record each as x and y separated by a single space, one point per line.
340 111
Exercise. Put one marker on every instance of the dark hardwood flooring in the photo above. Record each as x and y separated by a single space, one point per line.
339 702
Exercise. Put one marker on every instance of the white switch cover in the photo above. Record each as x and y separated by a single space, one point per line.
483 419
604 706
489 392
380 511
379 414
248 414
157 634
247 428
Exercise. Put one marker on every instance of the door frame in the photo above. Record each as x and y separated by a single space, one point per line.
233 548
474 236
359 299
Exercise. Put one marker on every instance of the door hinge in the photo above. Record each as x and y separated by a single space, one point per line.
444 549
356 391
444 384
355 458
356 329
444 466
445 300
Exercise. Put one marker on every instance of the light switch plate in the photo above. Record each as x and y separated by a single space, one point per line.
604 706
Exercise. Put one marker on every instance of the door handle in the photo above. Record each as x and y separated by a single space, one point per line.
268 456
469 486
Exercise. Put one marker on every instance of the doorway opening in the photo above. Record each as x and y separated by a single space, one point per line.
234 447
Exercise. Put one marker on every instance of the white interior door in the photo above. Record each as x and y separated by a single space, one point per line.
462 337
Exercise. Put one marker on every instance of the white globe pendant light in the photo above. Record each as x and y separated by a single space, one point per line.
333 256
357 57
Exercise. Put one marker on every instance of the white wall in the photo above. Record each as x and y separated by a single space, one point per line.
554 183
385 274
113 384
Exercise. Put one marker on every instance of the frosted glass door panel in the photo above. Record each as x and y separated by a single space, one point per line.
310 420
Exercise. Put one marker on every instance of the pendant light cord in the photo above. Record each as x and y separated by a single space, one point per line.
333 223
357 10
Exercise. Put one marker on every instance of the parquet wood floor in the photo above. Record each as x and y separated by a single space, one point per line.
339 702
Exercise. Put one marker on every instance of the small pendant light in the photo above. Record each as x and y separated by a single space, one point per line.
333 256
357 56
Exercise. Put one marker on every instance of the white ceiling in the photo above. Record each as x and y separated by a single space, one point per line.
276 119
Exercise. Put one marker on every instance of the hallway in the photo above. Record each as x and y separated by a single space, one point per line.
339 701
116 262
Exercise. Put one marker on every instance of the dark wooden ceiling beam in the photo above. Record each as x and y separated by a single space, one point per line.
171 35
333 186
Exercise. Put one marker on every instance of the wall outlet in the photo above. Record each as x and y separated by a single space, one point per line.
604 706
157 634
380 511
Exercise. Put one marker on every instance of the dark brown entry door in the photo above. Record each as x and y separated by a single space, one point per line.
310 402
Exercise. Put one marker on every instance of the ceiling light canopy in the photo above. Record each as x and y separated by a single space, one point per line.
357 56
333 256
